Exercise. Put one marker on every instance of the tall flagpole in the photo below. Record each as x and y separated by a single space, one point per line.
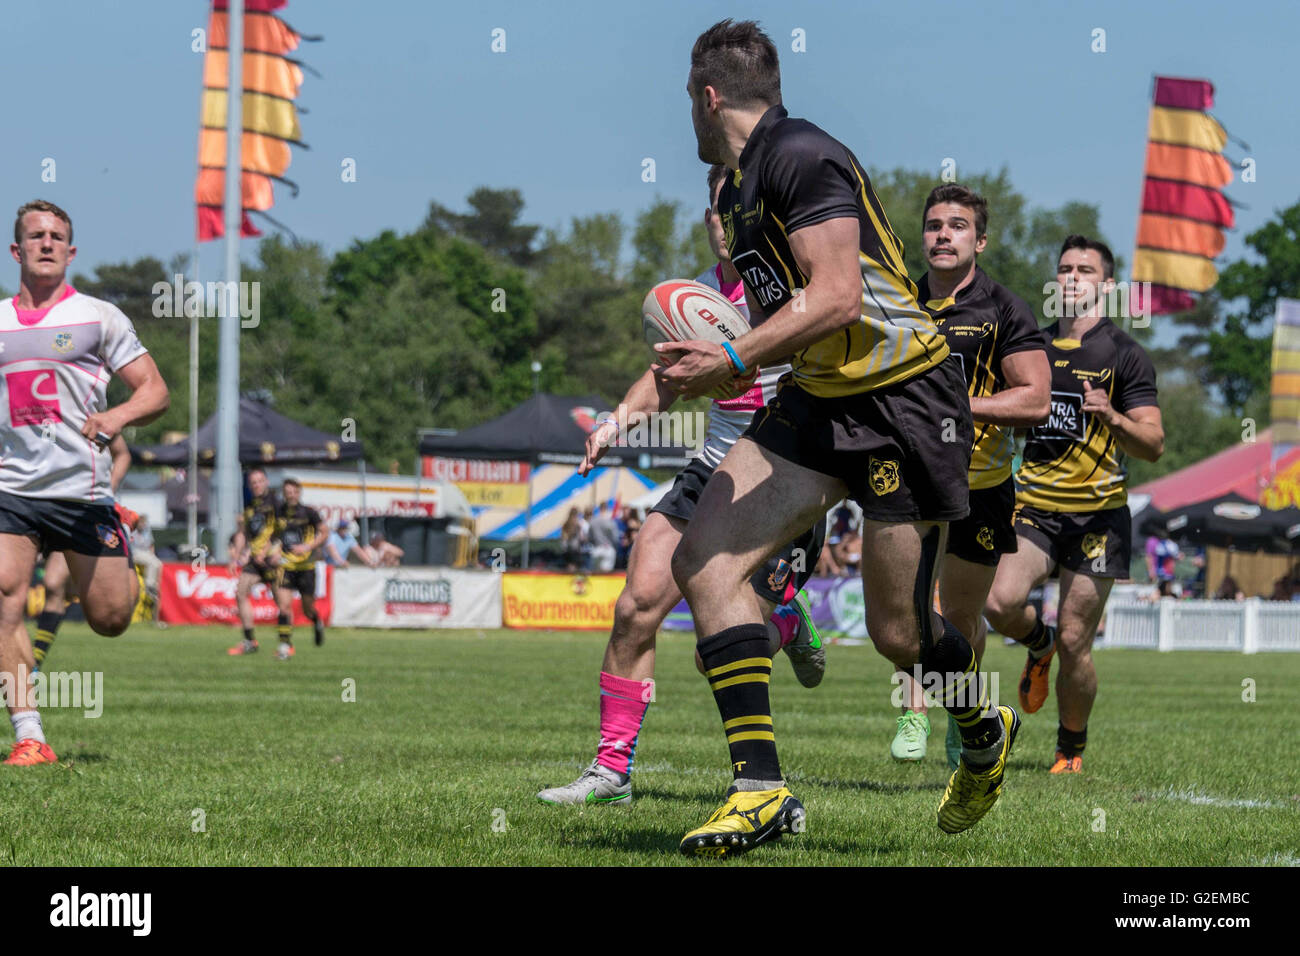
192 497
227 474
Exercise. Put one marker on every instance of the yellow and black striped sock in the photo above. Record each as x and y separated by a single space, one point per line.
1071 743
738 666
47 628
965 694
285 628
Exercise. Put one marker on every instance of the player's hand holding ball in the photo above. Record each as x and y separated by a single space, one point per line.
687 323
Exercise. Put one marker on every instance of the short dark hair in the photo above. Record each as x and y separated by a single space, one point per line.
39 205
717 173
1083 242
959 195
738 60
293 481
254 470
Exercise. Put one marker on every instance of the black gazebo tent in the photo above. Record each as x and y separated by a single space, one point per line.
265 437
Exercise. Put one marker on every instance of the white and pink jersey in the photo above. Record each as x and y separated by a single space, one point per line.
729 419
55 364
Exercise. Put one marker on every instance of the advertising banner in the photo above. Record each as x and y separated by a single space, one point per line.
206 595
416 597
560 601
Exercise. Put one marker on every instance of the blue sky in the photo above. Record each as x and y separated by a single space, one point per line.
586 90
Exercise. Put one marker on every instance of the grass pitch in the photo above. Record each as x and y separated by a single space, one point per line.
201 759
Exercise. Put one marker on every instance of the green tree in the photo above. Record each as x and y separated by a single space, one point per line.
1238 354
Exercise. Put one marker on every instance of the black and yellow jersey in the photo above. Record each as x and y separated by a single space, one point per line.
298 524
793 175
984 323
261 529
1071 462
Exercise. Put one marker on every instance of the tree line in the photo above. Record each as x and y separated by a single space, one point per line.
439 327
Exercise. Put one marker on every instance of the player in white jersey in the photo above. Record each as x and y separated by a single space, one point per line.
58 350
626 684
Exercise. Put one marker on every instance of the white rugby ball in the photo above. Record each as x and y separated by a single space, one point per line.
682 310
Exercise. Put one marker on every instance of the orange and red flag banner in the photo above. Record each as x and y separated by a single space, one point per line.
1184 212
271 82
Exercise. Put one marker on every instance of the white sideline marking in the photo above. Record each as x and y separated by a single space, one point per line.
1205 800
1278 859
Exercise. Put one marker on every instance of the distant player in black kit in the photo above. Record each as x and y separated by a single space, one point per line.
255 553
302 536
1072 493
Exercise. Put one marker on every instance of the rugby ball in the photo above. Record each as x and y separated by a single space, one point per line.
682 310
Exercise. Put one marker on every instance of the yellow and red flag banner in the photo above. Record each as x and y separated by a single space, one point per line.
1184 211
1284 403
271 82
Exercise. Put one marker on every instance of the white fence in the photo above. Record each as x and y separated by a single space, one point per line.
1170 625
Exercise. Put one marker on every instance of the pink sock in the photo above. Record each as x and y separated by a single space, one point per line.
786 621
623 704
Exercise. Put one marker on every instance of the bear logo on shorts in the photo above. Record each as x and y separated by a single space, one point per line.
107 536
1094 545
985 538
884 476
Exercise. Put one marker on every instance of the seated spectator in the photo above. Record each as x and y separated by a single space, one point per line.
387 554
343 543
1229 590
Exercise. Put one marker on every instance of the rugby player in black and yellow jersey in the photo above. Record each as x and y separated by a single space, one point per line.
302 535
254 553
993 334
1071 492
872 396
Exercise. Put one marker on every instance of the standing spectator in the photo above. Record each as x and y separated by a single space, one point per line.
142 554
631 525
571 540
1162 555
604 540
586 539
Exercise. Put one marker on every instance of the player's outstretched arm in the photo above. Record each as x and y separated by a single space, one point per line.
149 399
646 395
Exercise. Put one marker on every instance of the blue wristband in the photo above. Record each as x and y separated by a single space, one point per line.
737 365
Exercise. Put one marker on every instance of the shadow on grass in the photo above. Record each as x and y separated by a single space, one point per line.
787 850
875 786
654 793
83 756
